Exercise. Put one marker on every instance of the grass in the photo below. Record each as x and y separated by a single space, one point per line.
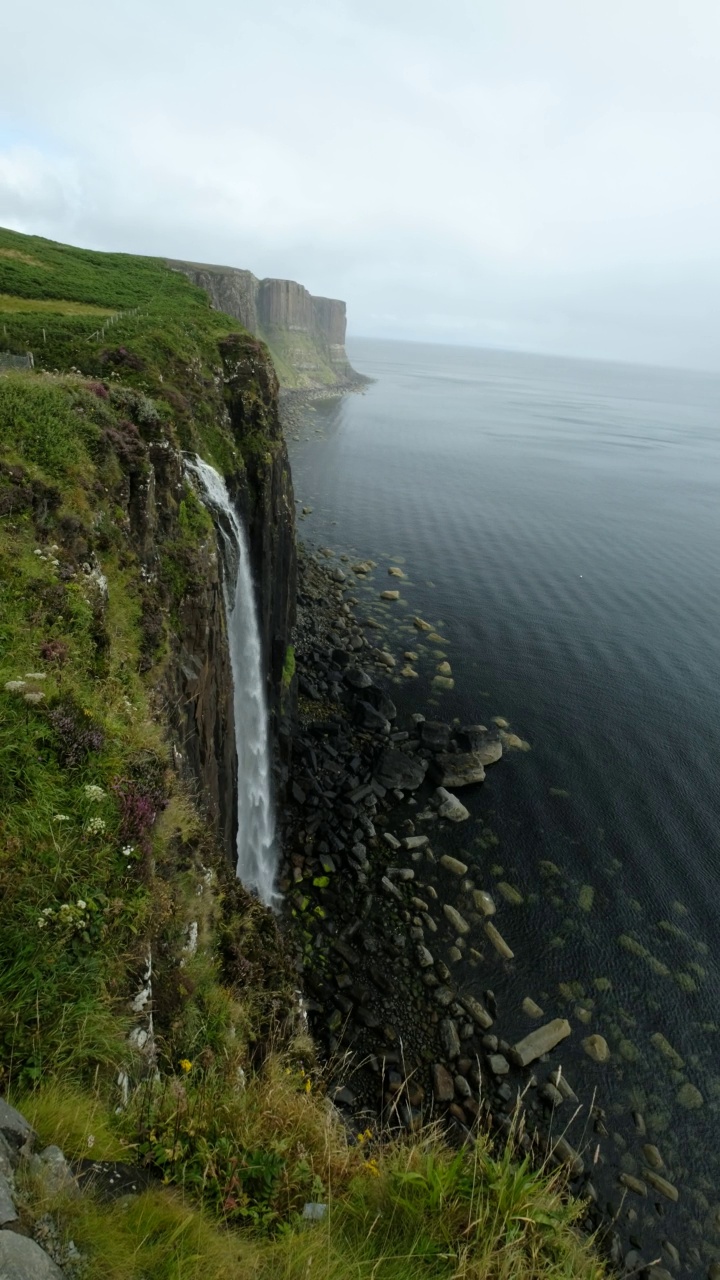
10 305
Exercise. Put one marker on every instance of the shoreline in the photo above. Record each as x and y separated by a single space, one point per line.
373 912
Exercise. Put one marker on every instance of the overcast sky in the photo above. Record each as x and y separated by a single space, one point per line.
537 174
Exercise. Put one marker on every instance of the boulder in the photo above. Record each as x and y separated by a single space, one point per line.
483 902
367 717
8 1212
450 1039
540 1042
443 1084
477 1011
483 742
450 807
397 771
380 701
435 735
389 595
457 867
356 678
23 1259
498 941
458 923
14 1127
597 1048
459 770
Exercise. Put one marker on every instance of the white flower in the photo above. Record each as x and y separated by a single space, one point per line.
35 675
41 923
38 552
33 698
48 911
60 817
82 904
128 850
91 1140
93 792
65 906
95 826
14 686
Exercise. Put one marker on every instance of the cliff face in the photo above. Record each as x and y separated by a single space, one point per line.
305 334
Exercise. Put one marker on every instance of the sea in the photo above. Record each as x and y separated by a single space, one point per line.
557 523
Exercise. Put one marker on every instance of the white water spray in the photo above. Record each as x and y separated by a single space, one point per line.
256 854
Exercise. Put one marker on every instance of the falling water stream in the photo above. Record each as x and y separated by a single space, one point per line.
256 852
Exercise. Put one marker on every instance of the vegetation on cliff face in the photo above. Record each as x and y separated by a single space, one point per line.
107 859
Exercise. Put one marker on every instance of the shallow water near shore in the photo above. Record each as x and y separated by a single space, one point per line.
556 522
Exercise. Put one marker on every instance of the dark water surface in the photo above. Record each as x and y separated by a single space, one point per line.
557 521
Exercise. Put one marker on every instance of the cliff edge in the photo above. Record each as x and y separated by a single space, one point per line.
305 334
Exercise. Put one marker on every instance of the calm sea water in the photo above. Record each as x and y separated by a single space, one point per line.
557 522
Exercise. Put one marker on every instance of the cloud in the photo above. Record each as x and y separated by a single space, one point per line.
521 174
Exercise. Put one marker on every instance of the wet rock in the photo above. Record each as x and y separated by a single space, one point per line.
396 770
569 1156
483 903
391 888
498 941
476 1011
551 1095
449 1039
597 1048
666 1049
540 1042
690 1097
452 809
460 770
23 1259
444 996
421 625
390 839
653 1157
530 1008
462 1089
459 924
557 1079
435 735
389 595
482 742
510 893
498 1064
415 842
443 683
425 958
453 864
660 1184
633 1184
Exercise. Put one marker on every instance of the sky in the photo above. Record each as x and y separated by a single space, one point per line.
540 175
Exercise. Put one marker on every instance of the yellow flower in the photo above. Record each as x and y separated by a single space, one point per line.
371 1166
308 1086
186 1064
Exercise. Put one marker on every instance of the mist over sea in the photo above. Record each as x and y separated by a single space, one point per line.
558 523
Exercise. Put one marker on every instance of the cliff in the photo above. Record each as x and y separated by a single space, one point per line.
305 334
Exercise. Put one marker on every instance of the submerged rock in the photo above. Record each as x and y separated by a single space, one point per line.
597 1048
459 770
459 924
540 1042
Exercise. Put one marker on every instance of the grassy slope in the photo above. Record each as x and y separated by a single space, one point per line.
101 851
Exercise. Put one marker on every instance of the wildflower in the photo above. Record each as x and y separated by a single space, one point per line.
14 686
186 1064
93 792
364 1137
42 923
91 1140
128 850
38 551
35 675
33 698
371 1166
95 827
308 1085
60 817
65 906
82 904
48 911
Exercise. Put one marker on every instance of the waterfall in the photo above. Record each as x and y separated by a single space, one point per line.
256 854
